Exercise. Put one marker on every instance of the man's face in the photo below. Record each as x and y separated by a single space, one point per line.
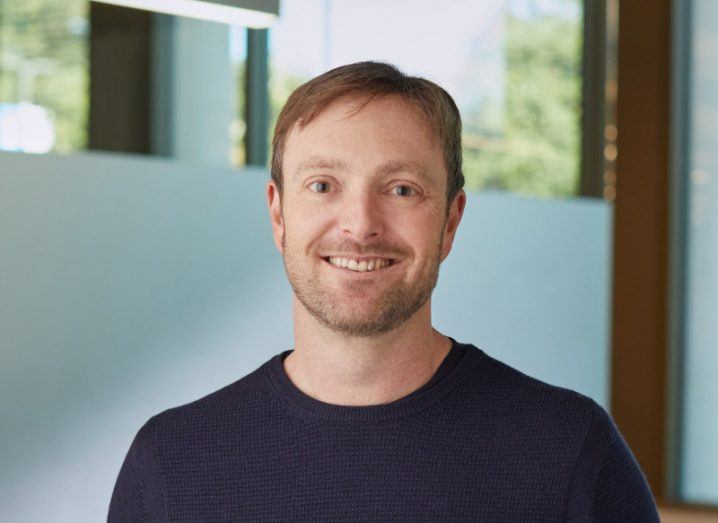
362 223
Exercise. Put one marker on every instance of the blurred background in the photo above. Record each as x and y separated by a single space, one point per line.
137 270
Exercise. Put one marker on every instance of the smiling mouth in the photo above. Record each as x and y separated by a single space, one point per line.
363 265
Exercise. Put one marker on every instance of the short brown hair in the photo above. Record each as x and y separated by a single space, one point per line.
371 80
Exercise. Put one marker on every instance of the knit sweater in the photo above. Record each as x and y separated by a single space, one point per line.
479 442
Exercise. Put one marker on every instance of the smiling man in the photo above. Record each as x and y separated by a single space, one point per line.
374 414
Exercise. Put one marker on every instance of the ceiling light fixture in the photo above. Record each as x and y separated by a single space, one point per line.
257 14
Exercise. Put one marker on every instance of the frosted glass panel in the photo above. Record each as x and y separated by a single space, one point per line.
128 286
700 430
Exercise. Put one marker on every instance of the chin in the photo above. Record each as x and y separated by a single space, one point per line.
361 330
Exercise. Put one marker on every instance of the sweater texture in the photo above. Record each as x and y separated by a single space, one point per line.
479 442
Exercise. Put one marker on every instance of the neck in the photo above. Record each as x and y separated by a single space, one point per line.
345 370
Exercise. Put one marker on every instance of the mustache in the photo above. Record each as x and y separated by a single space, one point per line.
379 249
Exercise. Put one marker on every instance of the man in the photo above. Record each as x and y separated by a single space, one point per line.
374 415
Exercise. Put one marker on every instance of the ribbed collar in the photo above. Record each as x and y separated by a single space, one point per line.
306 406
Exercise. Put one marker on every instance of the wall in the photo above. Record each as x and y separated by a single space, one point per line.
700 393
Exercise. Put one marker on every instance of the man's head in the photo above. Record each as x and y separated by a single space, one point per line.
368 81
366 195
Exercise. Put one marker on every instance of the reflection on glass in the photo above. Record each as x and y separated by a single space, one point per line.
513 66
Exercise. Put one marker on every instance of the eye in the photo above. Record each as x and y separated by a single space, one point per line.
404 190
320 187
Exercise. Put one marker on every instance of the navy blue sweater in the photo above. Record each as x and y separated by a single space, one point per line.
479 442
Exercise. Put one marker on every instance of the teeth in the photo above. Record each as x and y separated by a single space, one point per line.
359 266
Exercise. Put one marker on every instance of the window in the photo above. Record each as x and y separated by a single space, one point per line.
80 75
43 75
513 67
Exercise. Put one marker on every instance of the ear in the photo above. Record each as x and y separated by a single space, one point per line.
456 211
275 214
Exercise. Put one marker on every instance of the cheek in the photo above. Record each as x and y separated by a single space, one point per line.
304 227
421 232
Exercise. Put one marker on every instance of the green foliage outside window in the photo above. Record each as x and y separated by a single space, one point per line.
44 60
536 148
528 142
531 143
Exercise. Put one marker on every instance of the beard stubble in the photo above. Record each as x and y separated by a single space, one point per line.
395 305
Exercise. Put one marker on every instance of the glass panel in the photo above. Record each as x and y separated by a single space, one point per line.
700 429
528 281
78 75
513 67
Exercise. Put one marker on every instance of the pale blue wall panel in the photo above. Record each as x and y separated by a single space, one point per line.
529 283
699 467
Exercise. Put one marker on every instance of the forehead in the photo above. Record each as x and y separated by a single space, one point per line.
386 130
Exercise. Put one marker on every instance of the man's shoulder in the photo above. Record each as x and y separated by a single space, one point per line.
506 391
230 402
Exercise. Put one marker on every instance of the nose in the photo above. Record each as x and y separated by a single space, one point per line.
361 217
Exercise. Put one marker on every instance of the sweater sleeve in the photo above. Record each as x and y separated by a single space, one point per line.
608 484
621 491
137 496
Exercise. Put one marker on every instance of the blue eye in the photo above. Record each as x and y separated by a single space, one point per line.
319 187
403 190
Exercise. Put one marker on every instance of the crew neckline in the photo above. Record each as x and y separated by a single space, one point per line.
421 398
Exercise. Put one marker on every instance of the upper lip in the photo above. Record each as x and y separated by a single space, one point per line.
359 258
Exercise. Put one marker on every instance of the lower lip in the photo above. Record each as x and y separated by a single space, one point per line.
346 270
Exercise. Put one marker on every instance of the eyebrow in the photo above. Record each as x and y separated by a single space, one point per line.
319 162
410 167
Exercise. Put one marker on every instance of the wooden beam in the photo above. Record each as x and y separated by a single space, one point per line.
641 222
